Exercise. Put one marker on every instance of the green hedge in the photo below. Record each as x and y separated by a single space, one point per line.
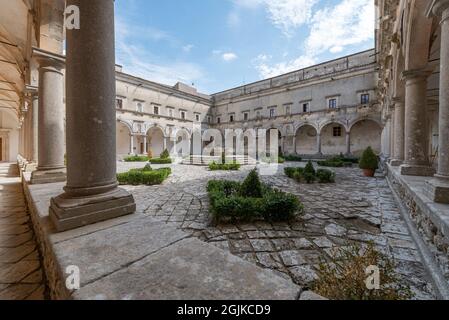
229 201
224 166
143 176
309 174
338 162
136 159
161 161
293 158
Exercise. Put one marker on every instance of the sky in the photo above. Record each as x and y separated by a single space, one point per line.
220 44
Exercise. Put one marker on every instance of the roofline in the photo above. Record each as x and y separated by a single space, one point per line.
291 72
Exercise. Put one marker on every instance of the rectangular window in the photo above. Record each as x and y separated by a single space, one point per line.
183 115
208 119
337 131
272 113
218 120
170 112
305 107
246 116
288 110
197 117
118 103
365 98
139 107
156 110
231 118
258 115
333 103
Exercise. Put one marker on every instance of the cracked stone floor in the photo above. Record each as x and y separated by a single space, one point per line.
21 274
354 210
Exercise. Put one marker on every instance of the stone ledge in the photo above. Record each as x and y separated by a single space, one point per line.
136 257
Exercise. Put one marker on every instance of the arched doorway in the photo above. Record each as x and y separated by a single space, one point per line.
333 139
269 144
155 140
123 133
9 136
306 140
364 134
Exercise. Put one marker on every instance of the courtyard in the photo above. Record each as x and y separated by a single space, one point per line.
355 209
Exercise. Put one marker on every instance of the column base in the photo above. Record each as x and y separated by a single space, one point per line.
30 167
48 176
413 170
437 190
396 162
69 213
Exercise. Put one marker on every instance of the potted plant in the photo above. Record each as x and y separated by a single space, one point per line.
369 162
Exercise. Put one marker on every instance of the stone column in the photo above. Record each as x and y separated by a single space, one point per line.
51 167
92 192
416 162
318 142
348 143
164 139
392 129
398 148
438 188
131 144
145 145
35 103
294 145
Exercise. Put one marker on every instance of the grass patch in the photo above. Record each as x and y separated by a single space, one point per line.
338 162
293 158
310 175
136 159
251 200
161 161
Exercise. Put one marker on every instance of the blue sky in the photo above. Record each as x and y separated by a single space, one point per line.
220 44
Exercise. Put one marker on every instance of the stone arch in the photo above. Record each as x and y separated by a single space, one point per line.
182 139
332 144
365 133
268 140
155 140
306 139
123 134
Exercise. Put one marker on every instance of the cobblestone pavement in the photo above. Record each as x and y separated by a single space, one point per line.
355 209
21 275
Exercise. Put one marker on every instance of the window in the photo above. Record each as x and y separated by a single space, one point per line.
333 103
258 114
197 117
183 115
245 116
365 98
208 119
288 110
305 107
139 107
337 132
231 118
156 110
118 103
218 120
170 112
272 113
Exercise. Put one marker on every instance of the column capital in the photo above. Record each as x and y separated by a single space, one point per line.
416 74
49 59
438 8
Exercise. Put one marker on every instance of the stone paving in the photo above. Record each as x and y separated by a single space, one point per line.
21 275
354 210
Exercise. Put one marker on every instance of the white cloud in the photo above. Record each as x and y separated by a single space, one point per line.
229 56
332 29
188 48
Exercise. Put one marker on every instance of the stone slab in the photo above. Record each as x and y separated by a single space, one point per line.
106 251
192 270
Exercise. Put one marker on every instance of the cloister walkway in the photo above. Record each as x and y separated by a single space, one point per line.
21 274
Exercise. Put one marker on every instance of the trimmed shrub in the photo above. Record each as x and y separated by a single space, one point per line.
325 176
309 173
229 203
143 176
290 172
161 161
165 154
330 163
224 166
293 158
369 160
136 159
345 278
147 167
251 187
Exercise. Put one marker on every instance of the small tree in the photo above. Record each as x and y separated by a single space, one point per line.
165 154
251 187
369 160
309 173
